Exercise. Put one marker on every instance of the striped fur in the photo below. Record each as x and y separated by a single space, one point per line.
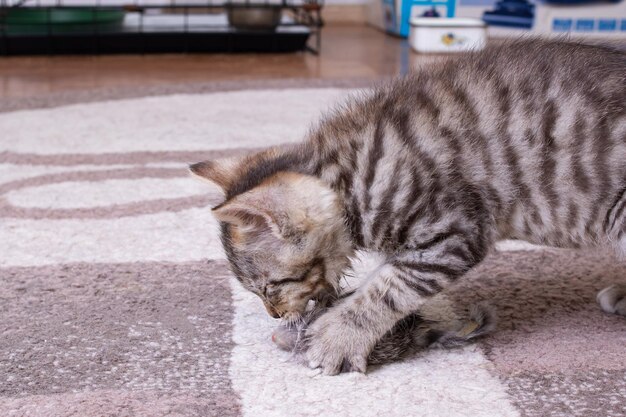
526 140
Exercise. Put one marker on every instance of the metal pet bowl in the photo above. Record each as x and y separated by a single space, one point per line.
252 17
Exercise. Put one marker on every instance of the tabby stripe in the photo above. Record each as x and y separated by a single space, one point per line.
473 119
512 158
455 146
572 216
430 268
407 136
415 205
581 180
265 165
459 252
333 156
602 146
481 239
355 222
527 230
344 182
385 208
348 170
437 239
411 198
432 283
403 233
375 154
428 200
495 198
426 103
312 265
526 92
517 178
615 212
288 280
329 158
546 69
619 213
415 286
389 301
319 155
504 102
548 150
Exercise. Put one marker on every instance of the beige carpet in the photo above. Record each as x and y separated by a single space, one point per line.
116 300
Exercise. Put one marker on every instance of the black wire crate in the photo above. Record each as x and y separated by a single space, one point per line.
31 27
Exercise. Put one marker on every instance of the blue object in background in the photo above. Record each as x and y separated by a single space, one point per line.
477 2
562 25
584 25
607 25
579 1
401 27
512 13
431 13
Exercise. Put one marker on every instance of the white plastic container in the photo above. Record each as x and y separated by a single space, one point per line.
432 34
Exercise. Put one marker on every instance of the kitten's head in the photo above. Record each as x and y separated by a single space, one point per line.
285 237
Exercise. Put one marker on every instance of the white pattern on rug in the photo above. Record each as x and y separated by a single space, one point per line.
85 194
12 172
444 383
188 235
170 123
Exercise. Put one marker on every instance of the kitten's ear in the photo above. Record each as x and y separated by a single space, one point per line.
247 218
269 206
221 172
225 172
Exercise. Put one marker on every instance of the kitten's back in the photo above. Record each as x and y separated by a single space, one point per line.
541 126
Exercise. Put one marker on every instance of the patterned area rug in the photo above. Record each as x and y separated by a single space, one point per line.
116 300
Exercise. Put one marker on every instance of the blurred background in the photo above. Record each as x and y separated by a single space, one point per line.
49 46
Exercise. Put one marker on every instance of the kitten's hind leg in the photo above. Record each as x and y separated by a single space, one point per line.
613 299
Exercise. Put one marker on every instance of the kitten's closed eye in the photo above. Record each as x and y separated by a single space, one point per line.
300 278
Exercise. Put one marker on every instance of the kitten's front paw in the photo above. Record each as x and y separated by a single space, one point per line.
336 345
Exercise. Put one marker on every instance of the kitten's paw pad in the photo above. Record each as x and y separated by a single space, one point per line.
613 299
336 347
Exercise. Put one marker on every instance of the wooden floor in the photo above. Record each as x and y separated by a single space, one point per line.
347 51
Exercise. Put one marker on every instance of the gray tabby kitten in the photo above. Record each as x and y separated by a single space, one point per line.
526 140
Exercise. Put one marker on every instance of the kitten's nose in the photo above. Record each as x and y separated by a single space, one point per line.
271 311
